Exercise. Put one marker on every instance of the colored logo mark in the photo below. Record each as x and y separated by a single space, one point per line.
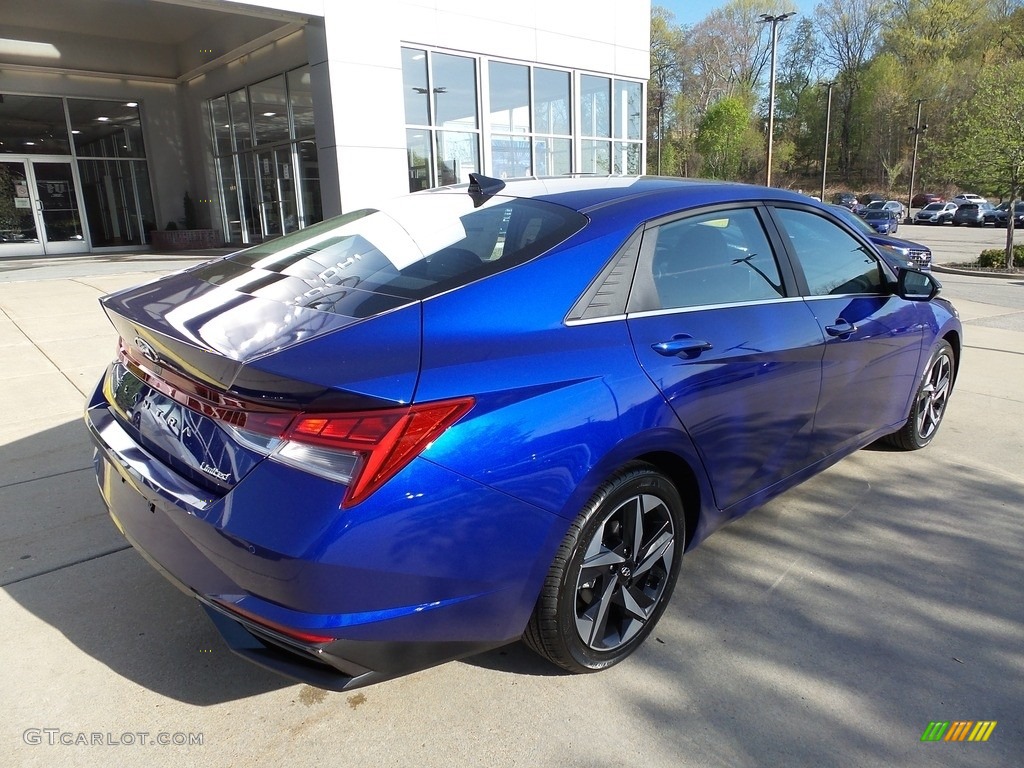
958 730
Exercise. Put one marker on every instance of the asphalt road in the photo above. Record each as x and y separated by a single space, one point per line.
830 627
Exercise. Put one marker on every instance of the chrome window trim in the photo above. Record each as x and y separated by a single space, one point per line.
696 307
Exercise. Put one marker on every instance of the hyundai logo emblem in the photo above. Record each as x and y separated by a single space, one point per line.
146 349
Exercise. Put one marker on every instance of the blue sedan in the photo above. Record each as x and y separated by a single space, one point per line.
883 220
498 411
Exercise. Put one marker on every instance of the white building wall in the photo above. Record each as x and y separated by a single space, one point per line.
361 50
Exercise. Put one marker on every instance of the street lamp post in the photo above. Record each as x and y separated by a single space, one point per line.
767 18
917 129
828 125
661 124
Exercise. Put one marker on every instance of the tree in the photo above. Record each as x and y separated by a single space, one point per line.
726 139
925 33
849 29
732 47
988 145
663 88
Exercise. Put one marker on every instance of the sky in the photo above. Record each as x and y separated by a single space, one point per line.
692 11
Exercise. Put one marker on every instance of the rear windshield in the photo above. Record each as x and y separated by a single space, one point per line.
415 247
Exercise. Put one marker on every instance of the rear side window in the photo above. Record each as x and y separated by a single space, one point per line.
714 258
833 261
418 246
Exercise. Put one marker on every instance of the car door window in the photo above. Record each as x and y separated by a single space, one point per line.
715 258
833 261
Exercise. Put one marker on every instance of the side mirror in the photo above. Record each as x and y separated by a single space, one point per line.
914 285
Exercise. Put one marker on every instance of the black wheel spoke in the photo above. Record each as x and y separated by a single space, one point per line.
656 553
593 622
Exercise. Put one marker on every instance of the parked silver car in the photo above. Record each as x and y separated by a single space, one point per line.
974 214
935 213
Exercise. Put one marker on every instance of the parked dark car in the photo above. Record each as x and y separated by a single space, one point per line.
921 199
845 199
882 220
935 213
896 251
498 411
973 214
1002 215
869 197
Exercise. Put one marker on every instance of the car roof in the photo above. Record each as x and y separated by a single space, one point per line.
658 194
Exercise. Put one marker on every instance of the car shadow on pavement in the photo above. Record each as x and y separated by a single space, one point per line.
87 584
880 596
515 659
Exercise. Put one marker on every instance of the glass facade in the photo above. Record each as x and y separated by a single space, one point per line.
57 136
528 117
266 158
113 170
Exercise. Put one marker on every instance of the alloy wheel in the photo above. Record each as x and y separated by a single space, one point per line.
624 572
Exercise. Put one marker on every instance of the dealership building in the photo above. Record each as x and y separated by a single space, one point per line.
254 119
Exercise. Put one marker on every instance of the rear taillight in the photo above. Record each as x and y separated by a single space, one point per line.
366 449
363 449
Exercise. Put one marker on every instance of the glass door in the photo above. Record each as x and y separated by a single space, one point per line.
19 234
57 206
40 212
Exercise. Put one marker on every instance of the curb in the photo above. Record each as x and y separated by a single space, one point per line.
977 273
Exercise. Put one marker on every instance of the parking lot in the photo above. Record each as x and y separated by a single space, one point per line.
830 627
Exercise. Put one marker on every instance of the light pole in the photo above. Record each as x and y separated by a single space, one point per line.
828 125
661 124
767 18
917 129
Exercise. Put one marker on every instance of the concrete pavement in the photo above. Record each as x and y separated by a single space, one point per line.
827 628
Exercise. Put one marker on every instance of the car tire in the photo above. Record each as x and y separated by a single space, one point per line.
613 574
930 399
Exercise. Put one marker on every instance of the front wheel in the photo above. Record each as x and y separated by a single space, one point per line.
930 402
613 574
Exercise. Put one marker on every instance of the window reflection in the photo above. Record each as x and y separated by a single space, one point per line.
595 106
300 101
33 125
269 105
454 91
628 109
106 128
415 87
551 102
510 97
421 159
275 190
456 156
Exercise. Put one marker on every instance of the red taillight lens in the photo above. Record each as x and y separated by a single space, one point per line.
385 441
297 634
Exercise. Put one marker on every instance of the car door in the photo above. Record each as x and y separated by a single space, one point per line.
873 339
718 327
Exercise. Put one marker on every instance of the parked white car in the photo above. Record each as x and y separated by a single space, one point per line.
967 197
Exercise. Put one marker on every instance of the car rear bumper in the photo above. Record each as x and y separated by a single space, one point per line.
338 599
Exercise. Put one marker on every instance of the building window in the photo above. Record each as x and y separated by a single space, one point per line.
442 123
528 120
263 139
